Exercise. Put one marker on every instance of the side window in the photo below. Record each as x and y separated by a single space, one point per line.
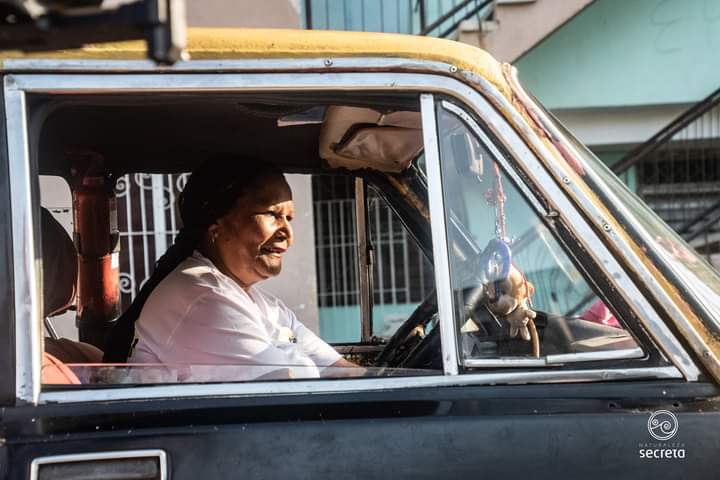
517 292
401 275
338 291
262 281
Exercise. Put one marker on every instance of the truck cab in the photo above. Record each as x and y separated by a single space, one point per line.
428 181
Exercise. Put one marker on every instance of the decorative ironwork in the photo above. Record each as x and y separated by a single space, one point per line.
127 284
148 222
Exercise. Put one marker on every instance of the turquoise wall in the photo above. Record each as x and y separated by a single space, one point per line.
628 53
629 177
342 324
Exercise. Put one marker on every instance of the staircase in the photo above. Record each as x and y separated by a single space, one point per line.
505 28
678 175
518 25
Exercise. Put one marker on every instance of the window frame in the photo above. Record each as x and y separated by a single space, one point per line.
7 290
141 79
364 261
538 206
25 225
573 226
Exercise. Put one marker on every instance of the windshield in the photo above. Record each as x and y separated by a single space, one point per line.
696 275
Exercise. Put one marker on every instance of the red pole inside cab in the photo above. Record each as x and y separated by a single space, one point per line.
96 237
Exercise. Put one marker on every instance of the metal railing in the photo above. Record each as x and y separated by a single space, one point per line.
439 18
677 173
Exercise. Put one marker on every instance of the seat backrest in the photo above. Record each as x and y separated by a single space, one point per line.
59 266
70 351
54 372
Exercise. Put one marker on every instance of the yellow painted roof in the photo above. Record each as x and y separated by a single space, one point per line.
217 43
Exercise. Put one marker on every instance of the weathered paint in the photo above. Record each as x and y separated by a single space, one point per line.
692 331
237 44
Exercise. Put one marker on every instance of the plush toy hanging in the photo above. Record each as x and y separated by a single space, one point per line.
510 292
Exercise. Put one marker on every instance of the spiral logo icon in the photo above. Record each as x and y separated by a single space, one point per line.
662 425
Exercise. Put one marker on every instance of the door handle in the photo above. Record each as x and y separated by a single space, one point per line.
118 465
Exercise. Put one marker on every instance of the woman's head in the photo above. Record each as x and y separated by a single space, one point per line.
248 242
237 212
240 212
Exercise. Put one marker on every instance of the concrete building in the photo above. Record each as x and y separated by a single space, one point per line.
618 73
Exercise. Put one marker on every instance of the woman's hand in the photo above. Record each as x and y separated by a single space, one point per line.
344 369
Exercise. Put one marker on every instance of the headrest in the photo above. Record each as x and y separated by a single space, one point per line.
54 372
59 265
69 351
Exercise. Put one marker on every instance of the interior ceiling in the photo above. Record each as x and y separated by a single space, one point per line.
171 133
174 135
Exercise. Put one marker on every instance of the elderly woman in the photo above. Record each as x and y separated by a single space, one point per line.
201 306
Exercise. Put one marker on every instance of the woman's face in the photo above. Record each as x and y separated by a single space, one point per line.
251 239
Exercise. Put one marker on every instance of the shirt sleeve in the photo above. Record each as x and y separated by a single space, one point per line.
322 354
218 331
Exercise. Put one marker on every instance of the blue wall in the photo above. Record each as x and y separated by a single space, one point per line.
628 53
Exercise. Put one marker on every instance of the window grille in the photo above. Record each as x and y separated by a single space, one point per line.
401 273
148 222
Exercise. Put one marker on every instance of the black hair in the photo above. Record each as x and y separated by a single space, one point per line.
210 193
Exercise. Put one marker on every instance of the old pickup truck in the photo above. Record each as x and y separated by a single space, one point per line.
431 170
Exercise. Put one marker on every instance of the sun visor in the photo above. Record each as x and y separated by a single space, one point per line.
355 138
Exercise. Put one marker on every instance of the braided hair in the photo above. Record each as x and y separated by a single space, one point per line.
211 192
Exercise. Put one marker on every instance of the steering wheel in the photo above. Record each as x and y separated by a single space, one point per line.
403 340
491 265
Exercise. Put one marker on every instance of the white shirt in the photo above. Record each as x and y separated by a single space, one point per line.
198 317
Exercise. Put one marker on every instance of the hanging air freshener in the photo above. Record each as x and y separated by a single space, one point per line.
510 292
